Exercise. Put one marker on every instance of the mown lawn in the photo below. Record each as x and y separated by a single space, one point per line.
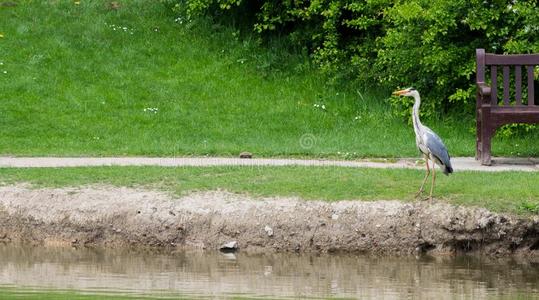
514 192
54 294
85 79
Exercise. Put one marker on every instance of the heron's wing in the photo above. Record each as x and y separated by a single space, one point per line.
436 146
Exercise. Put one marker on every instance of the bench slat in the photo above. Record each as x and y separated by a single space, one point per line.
514 59
505 85
513 109
530 86
493 86
518 85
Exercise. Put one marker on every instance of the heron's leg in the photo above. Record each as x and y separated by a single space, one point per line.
424 179
433 181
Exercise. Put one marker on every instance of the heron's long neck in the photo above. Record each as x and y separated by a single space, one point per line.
415 113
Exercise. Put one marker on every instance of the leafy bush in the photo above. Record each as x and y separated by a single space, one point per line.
428 44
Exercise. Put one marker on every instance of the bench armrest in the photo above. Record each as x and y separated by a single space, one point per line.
484 89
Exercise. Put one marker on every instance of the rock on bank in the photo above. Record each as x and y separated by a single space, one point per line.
113 216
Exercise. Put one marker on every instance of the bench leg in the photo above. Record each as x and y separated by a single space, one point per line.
485 136
485 147
478 136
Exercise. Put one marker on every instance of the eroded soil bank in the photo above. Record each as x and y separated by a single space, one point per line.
112 216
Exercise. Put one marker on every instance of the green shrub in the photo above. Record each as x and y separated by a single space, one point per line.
428 44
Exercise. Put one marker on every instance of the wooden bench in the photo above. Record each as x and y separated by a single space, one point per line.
492 113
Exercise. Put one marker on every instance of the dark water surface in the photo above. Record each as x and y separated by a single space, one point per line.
216 275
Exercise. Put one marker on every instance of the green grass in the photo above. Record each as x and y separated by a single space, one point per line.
55 294
59 295
75 86
514 192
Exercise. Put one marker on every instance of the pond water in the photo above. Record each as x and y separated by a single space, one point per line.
44 271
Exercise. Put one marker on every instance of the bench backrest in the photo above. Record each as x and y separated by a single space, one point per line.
518 62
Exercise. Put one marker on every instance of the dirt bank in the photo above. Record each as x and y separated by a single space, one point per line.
111 216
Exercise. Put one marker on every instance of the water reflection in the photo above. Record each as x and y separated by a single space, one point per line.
215 274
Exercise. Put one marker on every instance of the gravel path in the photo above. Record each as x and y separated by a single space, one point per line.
459 163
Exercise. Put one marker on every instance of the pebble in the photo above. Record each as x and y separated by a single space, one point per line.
246 155
268 230
230 246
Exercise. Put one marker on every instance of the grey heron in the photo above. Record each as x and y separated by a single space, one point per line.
429 143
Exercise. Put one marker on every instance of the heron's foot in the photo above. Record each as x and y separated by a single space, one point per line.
425 199
421 197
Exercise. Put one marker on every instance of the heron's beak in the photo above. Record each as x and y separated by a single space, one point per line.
398 93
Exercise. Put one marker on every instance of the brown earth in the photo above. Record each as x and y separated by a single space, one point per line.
114 217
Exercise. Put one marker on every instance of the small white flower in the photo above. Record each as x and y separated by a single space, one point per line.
151 109
5 72
1 63
323 106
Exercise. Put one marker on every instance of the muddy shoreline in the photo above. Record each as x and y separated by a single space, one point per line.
105 216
